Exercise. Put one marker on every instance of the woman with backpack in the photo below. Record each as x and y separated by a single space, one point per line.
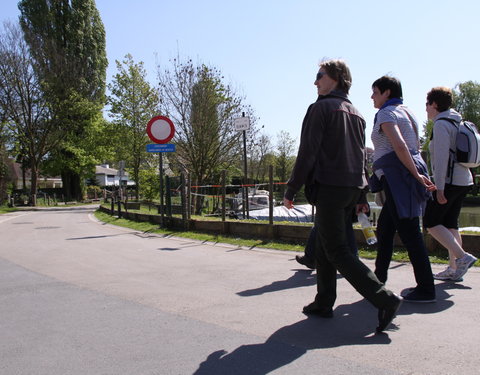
453 182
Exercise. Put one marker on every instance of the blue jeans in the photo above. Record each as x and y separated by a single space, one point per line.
333 252
409 231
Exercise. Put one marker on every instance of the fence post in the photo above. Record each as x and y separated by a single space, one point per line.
183 200
119 207
224 192
270 194
244 202
168 198
189 197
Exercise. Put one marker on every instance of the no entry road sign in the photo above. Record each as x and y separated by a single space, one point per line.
160 129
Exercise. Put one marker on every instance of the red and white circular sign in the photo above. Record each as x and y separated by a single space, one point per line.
160 129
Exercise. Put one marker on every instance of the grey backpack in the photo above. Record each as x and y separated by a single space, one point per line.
467 143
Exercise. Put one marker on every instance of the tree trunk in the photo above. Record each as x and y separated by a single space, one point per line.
33 185
71 186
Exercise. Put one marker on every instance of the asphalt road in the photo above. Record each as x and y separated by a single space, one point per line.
81 297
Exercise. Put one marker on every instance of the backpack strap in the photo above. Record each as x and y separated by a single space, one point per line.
451 158
451 121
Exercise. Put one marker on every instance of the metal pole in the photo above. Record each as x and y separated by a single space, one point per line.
160 172
245 169
224 191
270 194
189 197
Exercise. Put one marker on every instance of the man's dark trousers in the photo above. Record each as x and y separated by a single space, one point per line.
334 207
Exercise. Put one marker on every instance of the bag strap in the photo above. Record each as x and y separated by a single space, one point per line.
451 121
452 159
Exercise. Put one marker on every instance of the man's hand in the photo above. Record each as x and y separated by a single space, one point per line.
362 207
287 203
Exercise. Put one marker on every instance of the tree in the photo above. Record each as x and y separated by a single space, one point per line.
4 162
284 155
149 185
466 100
261 149
67 45
202 108
133 103
23 104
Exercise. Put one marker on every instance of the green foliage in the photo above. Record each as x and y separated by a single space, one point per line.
149 184
66 41
5 177
466 100
202 108
285 157
31 131
427 133
132 104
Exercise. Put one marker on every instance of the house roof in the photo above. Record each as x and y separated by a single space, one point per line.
100 169
103 170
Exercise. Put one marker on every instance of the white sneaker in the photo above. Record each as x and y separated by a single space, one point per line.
464 263
447 274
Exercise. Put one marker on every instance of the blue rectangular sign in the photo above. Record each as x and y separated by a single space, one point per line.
155 147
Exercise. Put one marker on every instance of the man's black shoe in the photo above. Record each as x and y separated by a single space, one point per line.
313 309
385 316
303 260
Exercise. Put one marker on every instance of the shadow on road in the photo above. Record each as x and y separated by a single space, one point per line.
95 237
298 279
354 324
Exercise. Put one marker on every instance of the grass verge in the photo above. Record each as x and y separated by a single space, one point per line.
400 255
5 209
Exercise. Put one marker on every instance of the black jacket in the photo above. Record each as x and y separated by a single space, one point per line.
332 146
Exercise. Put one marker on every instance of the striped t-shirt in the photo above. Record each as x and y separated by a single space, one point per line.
397 115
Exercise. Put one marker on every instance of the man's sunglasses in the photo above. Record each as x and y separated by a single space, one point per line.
320 75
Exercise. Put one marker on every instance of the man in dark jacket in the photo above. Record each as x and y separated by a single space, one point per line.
330 163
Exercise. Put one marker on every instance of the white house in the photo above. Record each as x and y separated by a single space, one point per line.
107 176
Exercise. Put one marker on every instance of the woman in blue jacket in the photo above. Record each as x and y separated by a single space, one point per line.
402 174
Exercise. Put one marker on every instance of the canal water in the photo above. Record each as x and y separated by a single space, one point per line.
469 216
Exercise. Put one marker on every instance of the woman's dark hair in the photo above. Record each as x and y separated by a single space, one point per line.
389 83
442 96
338 71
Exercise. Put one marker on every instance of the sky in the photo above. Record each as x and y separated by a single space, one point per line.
269 50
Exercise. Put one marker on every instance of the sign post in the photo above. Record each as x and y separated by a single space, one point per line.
160 129
243 124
